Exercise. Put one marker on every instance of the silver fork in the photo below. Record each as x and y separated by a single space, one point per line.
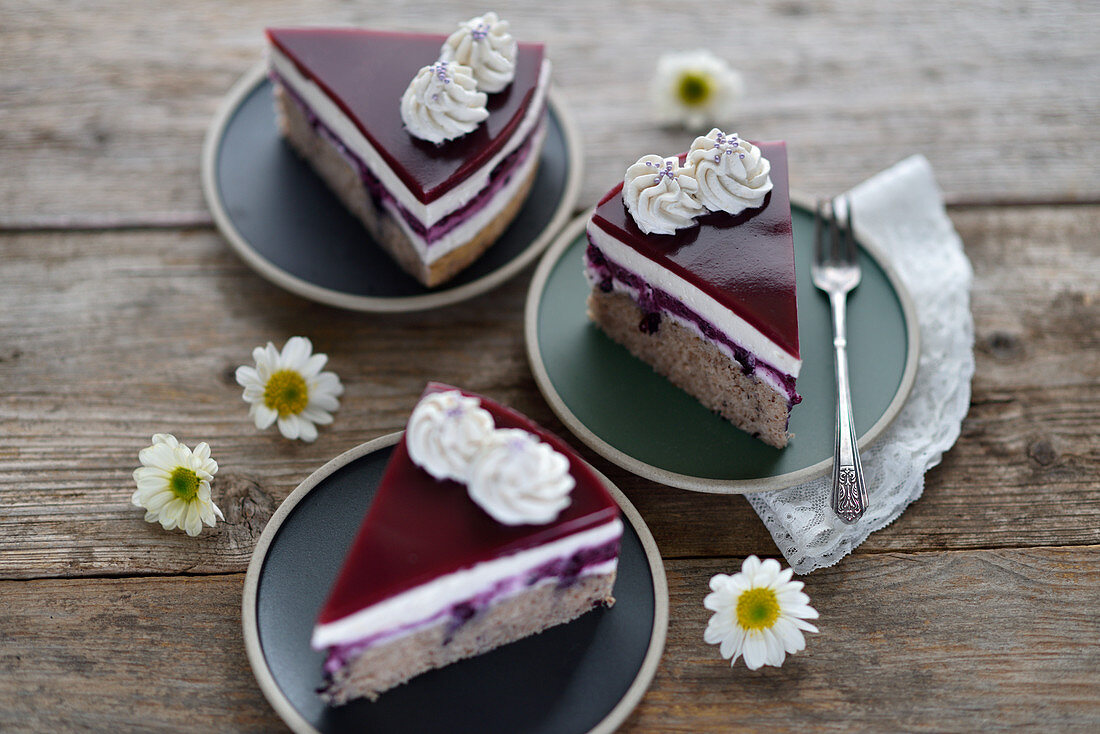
836 271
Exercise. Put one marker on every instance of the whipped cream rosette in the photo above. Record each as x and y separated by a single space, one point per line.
660 195
445 433
518 479
485 45
731 174
442 103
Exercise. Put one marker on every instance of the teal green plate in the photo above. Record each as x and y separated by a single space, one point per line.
635 418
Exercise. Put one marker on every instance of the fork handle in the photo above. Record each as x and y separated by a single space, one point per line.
849 495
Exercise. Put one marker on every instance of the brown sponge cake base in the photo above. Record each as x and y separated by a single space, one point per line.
389 664
696 366
344 181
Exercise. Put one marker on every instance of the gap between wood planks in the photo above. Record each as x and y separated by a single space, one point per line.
671 559
203 220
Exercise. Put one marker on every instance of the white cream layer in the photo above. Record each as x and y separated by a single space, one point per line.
464 232
339 123
428 600
736 329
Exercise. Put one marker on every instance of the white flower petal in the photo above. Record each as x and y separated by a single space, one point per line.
733 645
803 625
315 415
170 514
192 520
755 651
773 646
313 366
792 638
248 377
328 383
252 393
323 401
295 353
307 431
165 438
263 416
714 634
806 612
289 426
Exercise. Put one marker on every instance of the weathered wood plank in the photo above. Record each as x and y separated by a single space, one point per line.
104 104
960 641
107 338
134 655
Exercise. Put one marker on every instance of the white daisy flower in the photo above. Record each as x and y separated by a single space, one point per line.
173 485
758 613
289 387
695 89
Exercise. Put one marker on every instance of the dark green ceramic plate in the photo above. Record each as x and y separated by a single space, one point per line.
286 224
585 676
635 418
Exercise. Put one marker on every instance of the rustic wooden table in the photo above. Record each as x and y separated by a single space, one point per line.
123 313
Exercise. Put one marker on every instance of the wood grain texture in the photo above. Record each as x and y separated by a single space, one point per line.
128 655
939 642
105 104
108 338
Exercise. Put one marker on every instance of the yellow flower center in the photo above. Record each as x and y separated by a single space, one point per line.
757 609
184 483
695 88
286 393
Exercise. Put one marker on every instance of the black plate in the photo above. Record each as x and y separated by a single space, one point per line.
570 678
283 220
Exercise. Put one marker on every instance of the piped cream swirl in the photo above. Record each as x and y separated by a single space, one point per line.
518 479
442 103
731 173
445 433
659 194
485 45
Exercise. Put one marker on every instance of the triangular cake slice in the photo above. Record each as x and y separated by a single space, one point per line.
434 208
435 575
712 306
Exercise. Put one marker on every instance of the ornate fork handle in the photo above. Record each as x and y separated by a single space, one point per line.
849 497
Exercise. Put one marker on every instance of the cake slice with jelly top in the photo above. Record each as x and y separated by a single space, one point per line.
724 282
437 557
365 72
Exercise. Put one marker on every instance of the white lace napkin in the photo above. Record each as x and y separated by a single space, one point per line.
900 209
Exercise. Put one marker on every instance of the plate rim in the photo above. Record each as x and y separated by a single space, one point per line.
297 723
620 458
229 104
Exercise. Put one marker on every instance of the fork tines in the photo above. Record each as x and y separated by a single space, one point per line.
836 217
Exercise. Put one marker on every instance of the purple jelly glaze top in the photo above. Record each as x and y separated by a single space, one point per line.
498 178
365 73
419 528
743 261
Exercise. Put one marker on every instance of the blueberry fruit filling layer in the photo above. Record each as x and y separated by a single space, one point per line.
655 302
564 572
498 179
